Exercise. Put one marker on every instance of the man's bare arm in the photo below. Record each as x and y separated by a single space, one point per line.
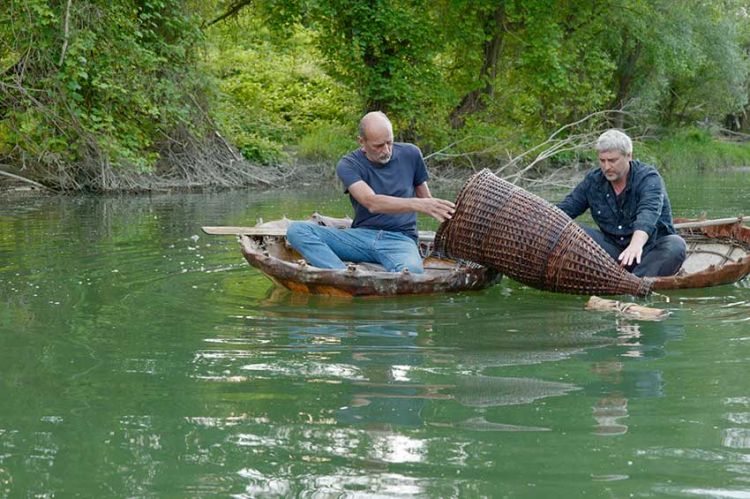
439 209
422 191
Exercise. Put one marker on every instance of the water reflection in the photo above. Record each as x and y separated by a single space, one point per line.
616 384
352 387
361 381
608 413
737 438
396 366
141 358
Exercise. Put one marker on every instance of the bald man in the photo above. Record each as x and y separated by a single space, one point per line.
387 185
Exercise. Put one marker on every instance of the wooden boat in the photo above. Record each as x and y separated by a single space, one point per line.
265 247
718 252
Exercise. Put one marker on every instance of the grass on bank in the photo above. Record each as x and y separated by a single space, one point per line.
695 150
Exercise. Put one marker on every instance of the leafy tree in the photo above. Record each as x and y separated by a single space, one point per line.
88 87
272 93
678 62
93 92
489 27
384 50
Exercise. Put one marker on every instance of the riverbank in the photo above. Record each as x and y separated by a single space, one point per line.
690 150
284 177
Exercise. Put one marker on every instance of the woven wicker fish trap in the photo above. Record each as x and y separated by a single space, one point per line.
503 226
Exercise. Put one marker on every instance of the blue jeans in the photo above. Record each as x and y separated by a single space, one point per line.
328 248
663 257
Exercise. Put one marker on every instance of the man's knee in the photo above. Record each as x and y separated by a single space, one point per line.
400 255
665 258
415 265
677 246
600 239
298 232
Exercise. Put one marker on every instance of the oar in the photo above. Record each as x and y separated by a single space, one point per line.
240 231
424 235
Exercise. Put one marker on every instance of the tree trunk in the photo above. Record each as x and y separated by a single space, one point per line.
624 76
474 100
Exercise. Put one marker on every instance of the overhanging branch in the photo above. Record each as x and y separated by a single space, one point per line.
233 9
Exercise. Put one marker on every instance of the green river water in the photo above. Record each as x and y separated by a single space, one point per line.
141 358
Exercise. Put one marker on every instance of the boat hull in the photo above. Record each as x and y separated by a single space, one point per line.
272 256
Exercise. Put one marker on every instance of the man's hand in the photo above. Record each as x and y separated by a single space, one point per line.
439 209
632 254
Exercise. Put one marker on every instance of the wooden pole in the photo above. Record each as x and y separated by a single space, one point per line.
276 231
423 235
709 223
627 309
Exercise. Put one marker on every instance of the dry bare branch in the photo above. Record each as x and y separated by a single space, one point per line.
66 33
593 124
23 179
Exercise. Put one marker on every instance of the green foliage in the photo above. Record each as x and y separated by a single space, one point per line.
327 142
561 71
269 98
102 86
554 62
383 49
679 62
104 90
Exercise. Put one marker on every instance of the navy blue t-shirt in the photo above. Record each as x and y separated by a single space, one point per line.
397 178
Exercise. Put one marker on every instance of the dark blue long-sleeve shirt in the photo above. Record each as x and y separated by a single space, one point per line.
644 204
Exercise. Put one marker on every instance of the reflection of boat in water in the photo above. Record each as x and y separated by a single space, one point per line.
718 253
265 248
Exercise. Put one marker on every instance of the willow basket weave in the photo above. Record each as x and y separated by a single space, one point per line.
528 239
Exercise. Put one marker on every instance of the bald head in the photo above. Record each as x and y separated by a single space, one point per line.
373 122
376 137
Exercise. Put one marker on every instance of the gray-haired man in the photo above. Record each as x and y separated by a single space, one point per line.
629 203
